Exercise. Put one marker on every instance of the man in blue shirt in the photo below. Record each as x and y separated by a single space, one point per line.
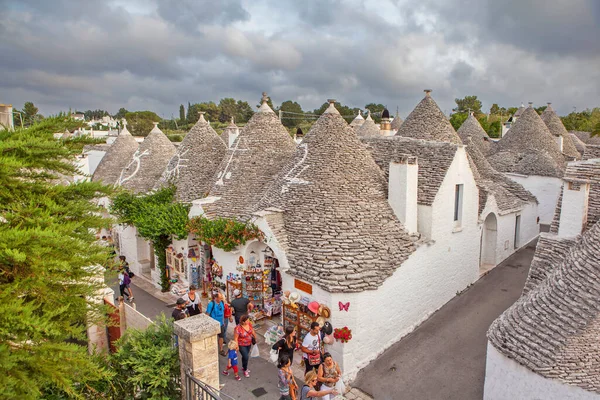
216 310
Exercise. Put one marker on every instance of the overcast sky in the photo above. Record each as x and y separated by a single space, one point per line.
157 54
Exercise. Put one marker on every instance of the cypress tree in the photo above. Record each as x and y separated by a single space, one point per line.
48 251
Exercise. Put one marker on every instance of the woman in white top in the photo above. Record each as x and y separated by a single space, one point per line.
193 304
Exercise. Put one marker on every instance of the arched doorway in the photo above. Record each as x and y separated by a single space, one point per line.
489 238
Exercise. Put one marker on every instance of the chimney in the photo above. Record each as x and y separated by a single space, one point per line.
559 141
573 218
386 125
402 190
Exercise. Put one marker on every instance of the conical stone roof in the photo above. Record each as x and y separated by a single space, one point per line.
231 129
195 163
553 329
557 128
396 122
428 122
342 233
579 145
117 157
368 128
471 127
586 137
148 163
357 121
528 148
257 155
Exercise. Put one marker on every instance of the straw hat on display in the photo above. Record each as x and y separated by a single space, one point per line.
293 298
321 321
314 307
324 311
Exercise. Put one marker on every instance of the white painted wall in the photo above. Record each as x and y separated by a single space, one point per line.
134 248
573 217
94 157
506 379
432 276
545 188
424 220
505 235
402 193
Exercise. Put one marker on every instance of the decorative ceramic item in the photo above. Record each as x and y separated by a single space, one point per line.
344 307
241 260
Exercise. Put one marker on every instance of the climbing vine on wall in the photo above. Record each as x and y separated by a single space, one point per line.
156 218
223 233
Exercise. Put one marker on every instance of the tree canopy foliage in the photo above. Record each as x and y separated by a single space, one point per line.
468 103
47 253
292 114
140 123
156 217
586 120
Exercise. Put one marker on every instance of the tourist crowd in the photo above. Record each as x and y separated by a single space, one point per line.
323 376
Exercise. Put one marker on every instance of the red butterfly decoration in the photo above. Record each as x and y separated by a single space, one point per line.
344 307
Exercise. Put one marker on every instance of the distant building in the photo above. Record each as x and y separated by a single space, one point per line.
78 116
6 116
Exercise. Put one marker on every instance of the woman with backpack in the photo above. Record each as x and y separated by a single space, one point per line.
216 310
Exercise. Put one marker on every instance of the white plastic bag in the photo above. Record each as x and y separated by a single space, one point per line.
340 387
254 351
274 356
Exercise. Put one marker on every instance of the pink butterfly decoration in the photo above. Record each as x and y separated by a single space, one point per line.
344 307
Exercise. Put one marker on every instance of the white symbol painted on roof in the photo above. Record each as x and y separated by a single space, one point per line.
173 172
226 173
291 178
137 157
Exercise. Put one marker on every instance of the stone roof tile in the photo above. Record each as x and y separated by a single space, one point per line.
368 128
341 232
557 128
579 145
148 163
195 163
397 122
471 127
591 151
553 329
528 148
116 158
586 137
434 159
255 158
428 122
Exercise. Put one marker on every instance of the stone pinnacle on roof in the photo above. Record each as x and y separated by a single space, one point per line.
357 121
264 106
396 122
117 157
194 164
528 148
257 155
341 231
147 164
428 122
557 128
553 328
368 128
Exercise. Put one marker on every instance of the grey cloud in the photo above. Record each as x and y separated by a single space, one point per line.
191 14
104 55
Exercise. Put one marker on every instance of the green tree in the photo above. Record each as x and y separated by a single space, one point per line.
347 112
494 109
157 218
376 110
540 110
244 112
468 103
140 123
29 111
147 363
495 129
182 113
227 109
457 119
292 114
47 253
120 114
511 110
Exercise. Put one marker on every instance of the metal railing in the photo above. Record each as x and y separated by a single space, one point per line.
197 390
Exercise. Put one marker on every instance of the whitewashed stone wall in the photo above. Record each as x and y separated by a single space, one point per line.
545 188
506 379
432 276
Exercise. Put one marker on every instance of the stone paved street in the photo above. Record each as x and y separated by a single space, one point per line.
445 357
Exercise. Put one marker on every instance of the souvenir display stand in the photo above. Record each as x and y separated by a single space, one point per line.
231 286
253 286
300 320
273 306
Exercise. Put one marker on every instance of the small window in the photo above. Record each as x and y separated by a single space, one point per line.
458 202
